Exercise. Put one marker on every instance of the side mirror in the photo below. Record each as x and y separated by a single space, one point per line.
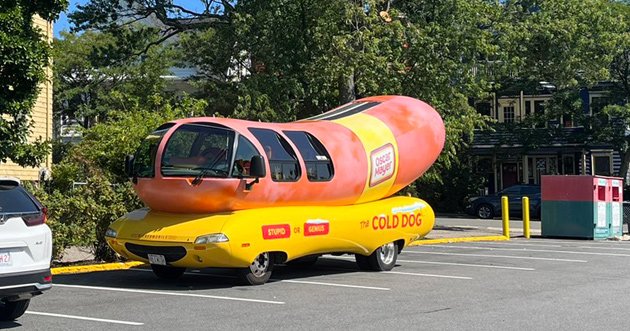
256 169
129 168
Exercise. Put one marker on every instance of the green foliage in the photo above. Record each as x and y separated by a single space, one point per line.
24 54
80 214
94 74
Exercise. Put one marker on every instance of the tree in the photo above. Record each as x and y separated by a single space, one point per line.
93 74
24 55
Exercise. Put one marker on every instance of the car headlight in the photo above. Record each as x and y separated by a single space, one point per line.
111 233
212 238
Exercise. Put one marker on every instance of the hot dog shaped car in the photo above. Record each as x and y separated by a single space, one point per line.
232 193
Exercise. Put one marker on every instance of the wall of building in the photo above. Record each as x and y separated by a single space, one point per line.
42 117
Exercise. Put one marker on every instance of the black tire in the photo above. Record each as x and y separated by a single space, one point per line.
484 211
259 271
382 259
10 311
167 272
303 262
363 262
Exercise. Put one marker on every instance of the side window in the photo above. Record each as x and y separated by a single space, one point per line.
144 161
242 160
282 159
319 166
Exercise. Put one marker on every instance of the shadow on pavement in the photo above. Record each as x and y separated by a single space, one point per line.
142 278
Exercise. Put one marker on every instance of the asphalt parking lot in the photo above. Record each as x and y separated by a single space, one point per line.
519 284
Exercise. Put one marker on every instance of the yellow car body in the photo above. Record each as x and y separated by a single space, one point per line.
287 232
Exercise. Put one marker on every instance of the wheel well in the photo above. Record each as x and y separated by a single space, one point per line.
279 257
400 243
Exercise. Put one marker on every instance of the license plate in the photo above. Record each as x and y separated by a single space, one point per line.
5 258
157 259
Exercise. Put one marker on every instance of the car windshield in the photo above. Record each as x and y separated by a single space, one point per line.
199 150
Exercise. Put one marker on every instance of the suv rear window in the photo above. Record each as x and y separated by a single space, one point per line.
13 199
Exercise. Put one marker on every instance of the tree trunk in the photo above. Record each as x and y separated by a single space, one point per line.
346 88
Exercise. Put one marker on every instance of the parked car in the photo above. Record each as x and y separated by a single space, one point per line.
489 206
25 249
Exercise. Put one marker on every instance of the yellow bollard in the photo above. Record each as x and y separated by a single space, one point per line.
526 217
505 212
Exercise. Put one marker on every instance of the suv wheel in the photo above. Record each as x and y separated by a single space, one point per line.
485 211
9 311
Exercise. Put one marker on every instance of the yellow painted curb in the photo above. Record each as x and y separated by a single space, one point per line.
457 240
94 267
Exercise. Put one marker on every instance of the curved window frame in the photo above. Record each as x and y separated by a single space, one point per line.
320 151
161 131
275 163
229 151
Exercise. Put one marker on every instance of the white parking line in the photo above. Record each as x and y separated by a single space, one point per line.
396 272
425 275
332 284
469 265
517 244
199 273
83 318
606 247
529 250
129 290
500 256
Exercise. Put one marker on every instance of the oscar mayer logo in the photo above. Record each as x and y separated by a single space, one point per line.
316 227
276 231
383 164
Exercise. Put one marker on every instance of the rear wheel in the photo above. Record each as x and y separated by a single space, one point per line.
485 211
9 311
259 271
167 272
382 259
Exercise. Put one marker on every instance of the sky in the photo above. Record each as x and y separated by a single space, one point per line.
63 24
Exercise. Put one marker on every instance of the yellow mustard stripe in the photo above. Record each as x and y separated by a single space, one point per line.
94 267
421 242
374 134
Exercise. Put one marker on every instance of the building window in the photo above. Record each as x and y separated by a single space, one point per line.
483 108
598 103
568 165
528 108
539 106
602 165
317 160
508 114
283 162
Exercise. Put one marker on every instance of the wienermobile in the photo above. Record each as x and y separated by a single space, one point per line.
248 195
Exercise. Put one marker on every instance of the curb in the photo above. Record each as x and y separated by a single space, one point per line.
457 240
94 267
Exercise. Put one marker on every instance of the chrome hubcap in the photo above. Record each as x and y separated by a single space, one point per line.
387 253
260 265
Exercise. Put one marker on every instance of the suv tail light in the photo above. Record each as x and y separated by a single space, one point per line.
36 219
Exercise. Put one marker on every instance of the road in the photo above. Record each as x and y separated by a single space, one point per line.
536 284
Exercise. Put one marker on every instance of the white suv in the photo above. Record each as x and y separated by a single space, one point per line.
25 249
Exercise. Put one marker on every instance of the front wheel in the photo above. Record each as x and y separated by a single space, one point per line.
485 211
167 272
10 311
259 271
382 259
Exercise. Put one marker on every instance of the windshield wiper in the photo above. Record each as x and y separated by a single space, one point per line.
207 170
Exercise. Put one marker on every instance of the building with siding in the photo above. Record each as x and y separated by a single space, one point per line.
522 154
42 117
